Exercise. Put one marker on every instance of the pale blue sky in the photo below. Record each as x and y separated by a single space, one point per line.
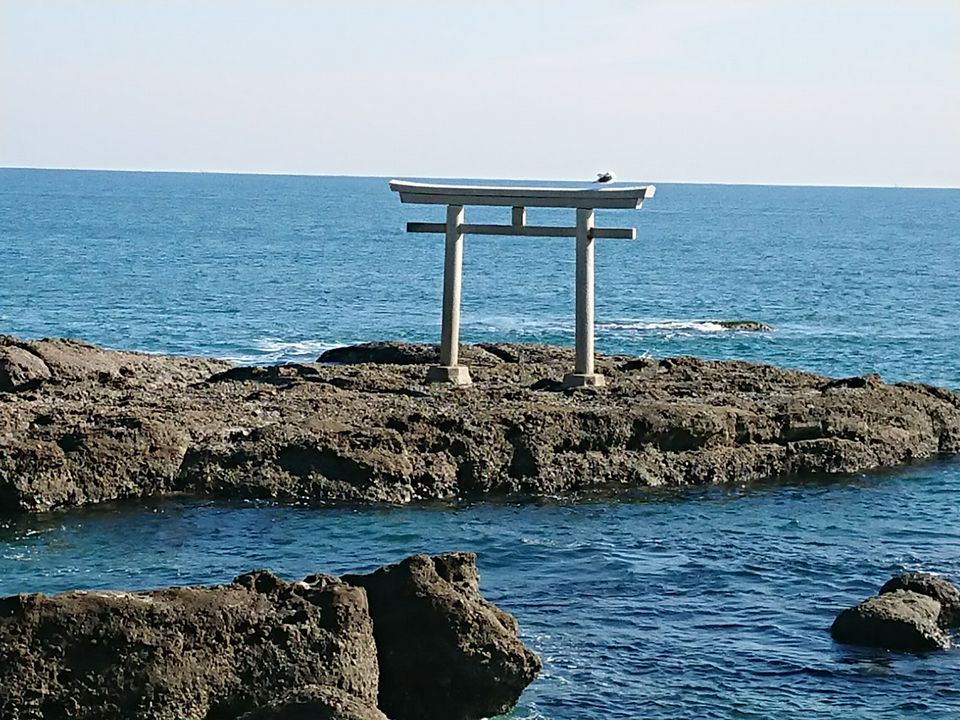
849 92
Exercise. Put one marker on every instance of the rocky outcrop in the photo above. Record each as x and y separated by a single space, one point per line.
262 648
182 652
83 425
934 586
445 653
20 369
912 613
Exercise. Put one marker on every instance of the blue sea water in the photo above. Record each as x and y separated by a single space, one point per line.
710 603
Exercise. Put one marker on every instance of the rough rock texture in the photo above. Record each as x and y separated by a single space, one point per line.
20 369
80 425
896 620
445 653
183 653
316 702
261 648
934 586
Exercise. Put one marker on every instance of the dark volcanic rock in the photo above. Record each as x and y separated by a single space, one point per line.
83 425
383 353
207 653
262 649
896 620
400 353
445 653
934 586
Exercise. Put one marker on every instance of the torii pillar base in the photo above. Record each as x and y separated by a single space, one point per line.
578 380
451 374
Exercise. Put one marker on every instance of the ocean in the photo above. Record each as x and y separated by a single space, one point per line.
711 603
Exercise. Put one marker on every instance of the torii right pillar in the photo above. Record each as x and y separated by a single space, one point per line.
584 374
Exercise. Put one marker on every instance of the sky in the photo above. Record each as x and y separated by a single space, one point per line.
811 92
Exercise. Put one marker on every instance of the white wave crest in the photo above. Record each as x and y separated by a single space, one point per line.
275 346
276 350
669 326
518 324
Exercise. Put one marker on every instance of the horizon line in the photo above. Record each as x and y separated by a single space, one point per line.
281 173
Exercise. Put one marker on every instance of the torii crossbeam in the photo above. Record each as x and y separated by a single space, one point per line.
583 200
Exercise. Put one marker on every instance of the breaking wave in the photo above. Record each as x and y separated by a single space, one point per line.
274 350
670 326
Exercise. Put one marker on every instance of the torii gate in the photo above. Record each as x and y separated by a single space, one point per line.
585 201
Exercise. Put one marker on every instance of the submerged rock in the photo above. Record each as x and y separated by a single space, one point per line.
910 613
897 620
745 325
262 648
92 425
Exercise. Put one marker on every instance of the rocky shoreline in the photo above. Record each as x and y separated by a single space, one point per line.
80 424
411 641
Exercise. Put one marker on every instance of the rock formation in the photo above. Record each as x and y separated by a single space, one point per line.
900 620
79 425
444 651
913 612
261 648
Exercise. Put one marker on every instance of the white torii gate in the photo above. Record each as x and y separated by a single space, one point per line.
585 201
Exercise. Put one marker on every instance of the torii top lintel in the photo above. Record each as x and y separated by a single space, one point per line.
593 198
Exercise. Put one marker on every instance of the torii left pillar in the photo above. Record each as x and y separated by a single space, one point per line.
450 370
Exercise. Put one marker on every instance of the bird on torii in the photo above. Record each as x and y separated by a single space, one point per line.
606 177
